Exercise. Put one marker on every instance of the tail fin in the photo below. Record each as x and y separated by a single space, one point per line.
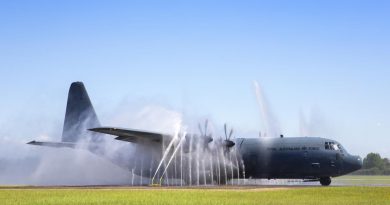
80 116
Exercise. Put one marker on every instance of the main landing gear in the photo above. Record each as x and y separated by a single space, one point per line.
325 181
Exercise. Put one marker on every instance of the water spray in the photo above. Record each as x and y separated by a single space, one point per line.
167 149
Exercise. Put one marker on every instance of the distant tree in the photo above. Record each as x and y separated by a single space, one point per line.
386 163
373 160
386 166
373 164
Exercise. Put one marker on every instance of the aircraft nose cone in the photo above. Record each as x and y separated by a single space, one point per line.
353 163
359 162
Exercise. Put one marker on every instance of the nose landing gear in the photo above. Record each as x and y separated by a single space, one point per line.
325 181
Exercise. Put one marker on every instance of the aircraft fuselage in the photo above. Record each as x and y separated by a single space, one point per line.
295 157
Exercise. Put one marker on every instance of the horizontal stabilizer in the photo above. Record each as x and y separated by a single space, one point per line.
130 135
54 144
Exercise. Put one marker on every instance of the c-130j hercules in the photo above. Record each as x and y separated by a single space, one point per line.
200 159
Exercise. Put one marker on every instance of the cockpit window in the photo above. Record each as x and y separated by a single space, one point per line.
335 147
332 146
341 148
327 145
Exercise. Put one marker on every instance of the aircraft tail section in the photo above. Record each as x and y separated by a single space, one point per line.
80 116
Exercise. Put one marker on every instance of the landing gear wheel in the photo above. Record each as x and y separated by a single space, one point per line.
221 182
325 181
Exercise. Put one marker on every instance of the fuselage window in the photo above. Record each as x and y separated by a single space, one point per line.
335 147
332 146
340 147
326 145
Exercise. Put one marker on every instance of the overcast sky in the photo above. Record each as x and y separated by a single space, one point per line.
327 59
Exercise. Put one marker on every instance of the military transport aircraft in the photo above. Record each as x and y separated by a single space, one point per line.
200 158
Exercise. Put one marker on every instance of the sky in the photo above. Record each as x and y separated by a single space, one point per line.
326 59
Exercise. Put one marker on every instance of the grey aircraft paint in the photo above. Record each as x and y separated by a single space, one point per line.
296 158
309 158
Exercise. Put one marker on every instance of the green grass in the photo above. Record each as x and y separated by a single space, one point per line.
317 196
362 180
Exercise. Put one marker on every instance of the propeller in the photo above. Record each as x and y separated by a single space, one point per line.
228 138
206 138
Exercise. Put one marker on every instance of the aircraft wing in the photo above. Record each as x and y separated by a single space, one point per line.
127 135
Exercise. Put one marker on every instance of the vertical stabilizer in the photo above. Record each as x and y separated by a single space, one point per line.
79 116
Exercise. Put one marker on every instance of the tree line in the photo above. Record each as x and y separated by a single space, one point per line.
374 164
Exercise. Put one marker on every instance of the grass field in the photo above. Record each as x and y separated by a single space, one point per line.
277 195
362 180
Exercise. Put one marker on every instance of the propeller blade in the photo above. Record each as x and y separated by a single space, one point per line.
200 129
230 134
225 132
205 126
